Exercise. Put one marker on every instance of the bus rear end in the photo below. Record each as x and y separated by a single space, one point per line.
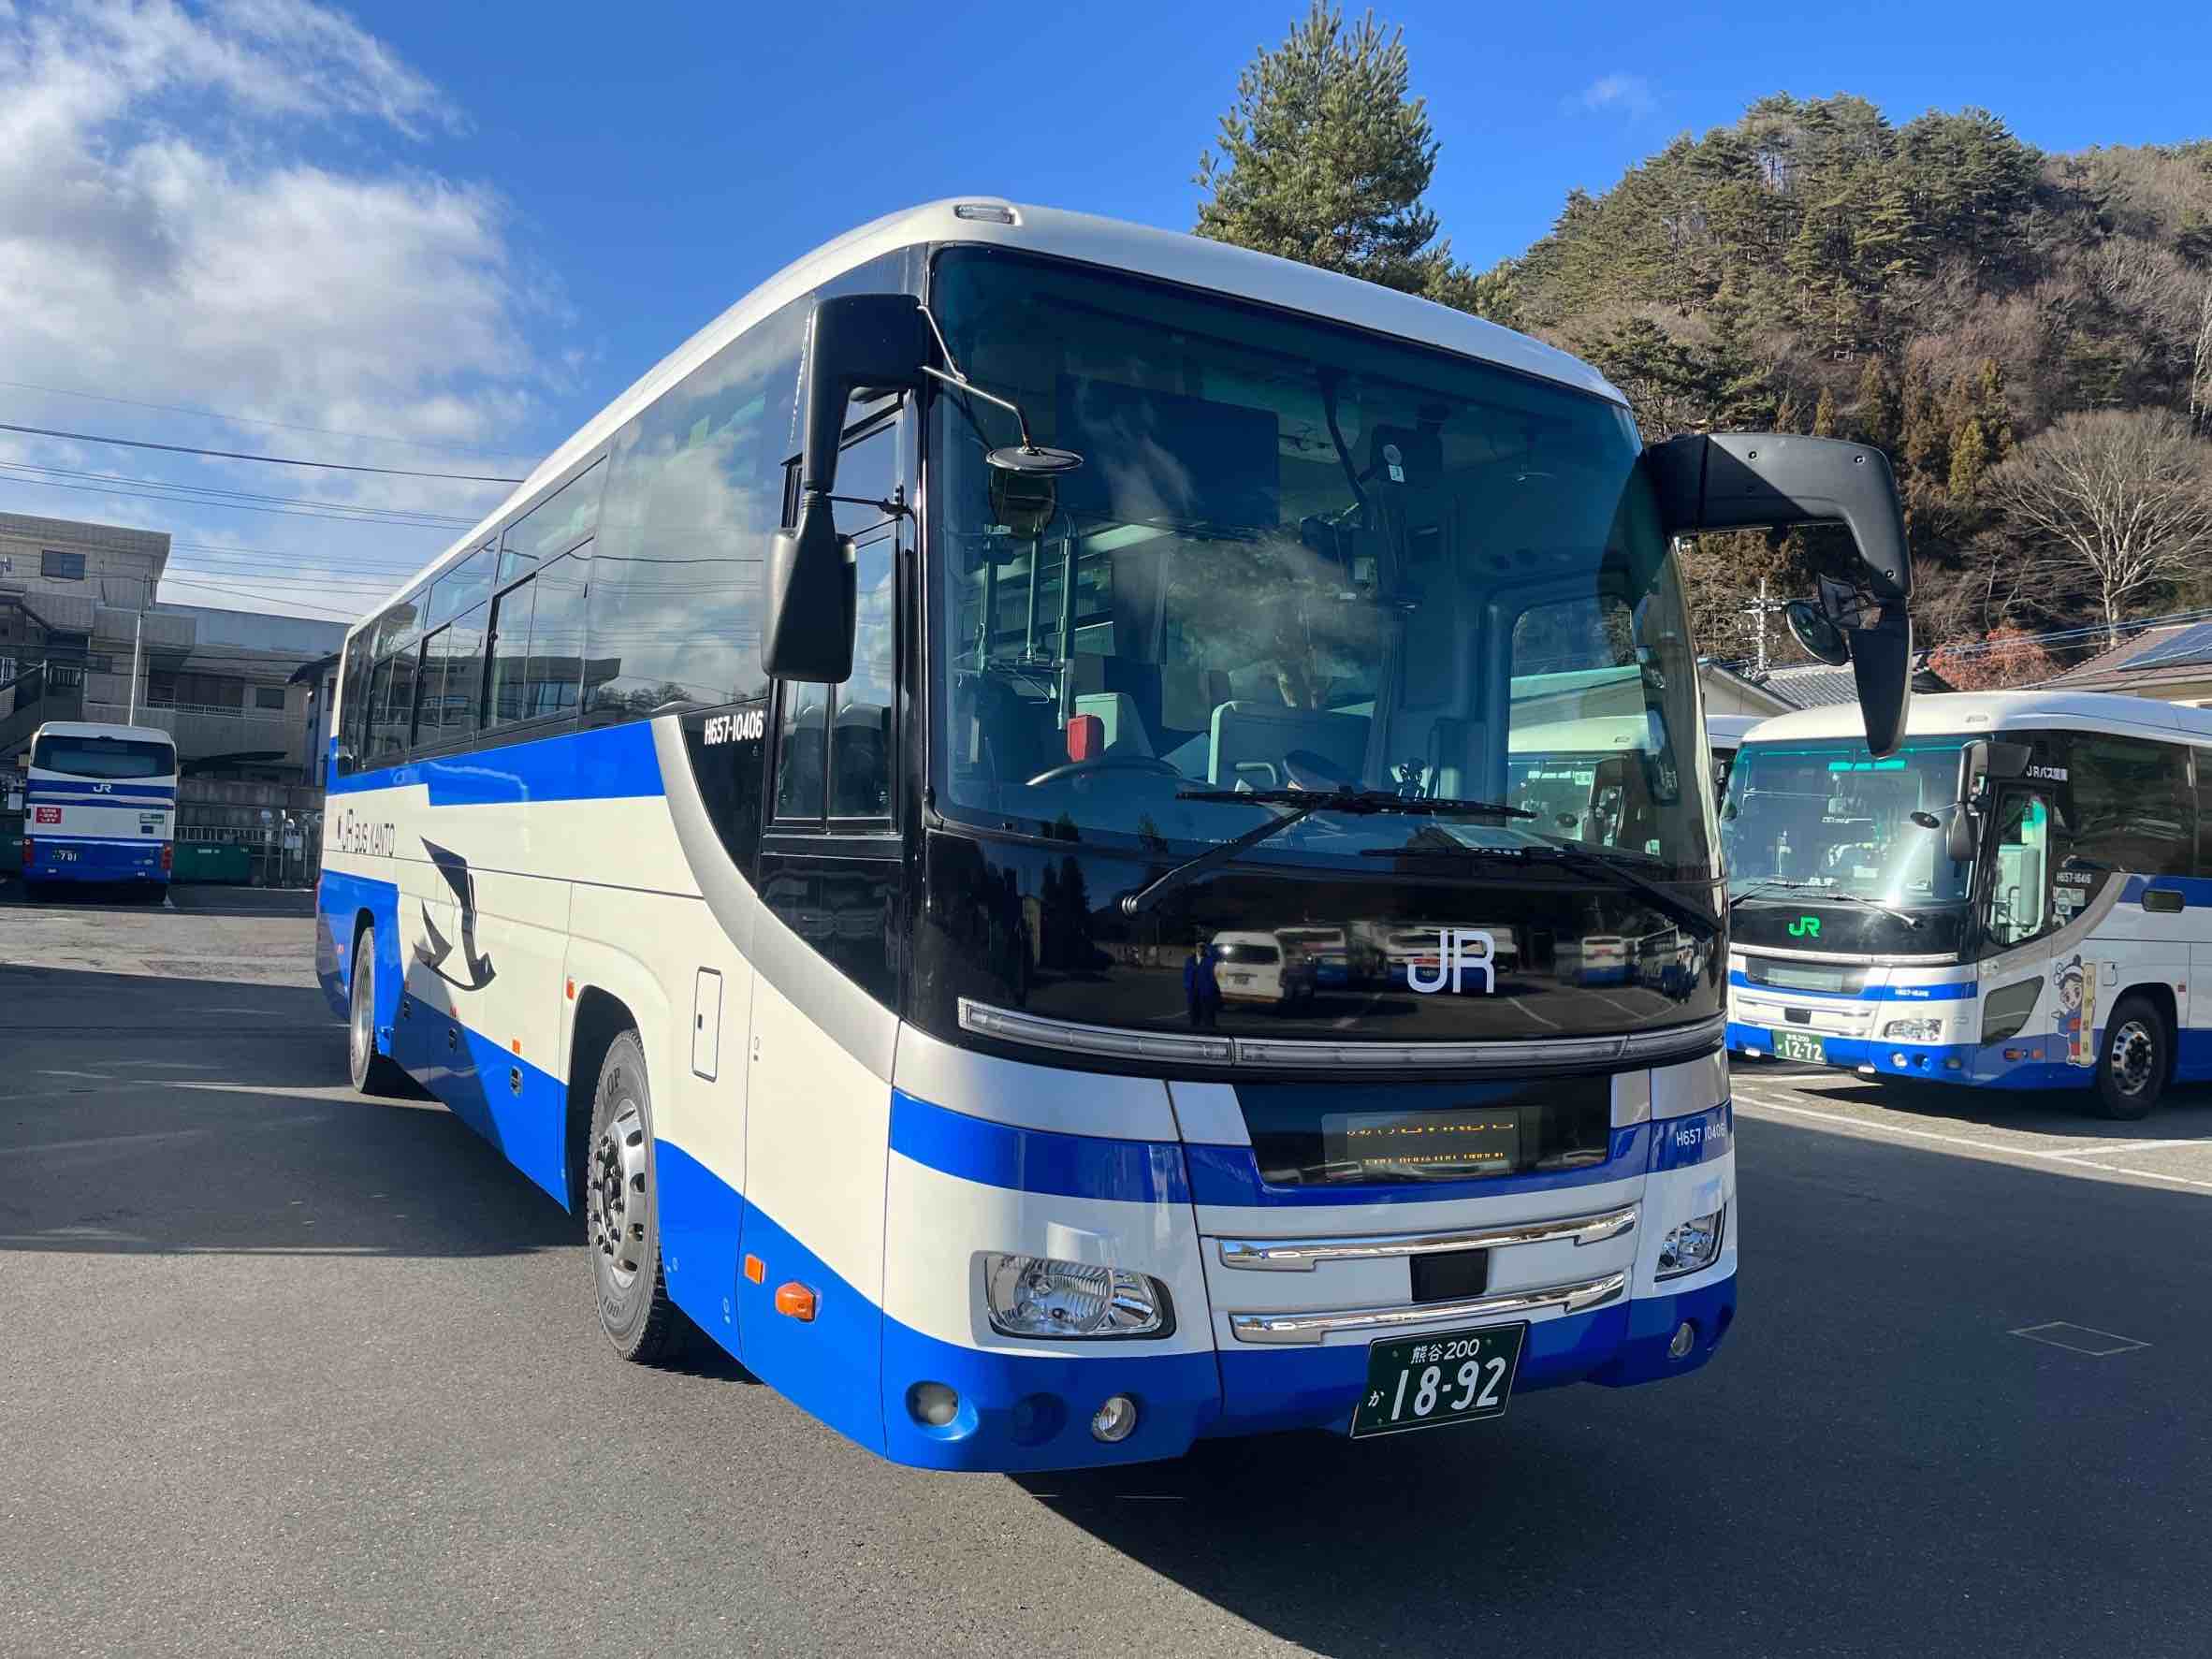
100 806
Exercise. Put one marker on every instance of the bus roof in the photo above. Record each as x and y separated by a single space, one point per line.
103 729
1139 249
1979 714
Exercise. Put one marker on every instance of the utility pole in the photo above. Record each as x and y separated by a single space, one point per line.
1762 627
138 640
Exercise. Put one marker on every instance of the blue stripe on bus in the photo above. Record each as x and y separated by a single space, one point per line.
1680 1142
1957 991
609 763
48 834
1037 1161
1229 1176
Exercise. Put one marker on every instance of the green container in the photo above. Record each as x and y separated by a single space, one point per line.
211 862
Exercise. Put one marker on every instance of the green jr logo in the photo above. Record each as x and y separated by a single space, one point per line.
1805 927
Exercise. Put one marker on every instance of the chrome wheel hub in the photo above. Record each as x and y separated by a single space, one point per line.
359 1034
618 1193
2133 1050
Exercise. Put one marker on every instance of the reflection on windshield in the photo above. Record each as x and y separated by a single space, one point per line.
1828 816
1294 558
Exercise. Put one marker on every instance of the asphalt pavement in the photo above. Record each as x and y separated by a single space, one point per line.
291 1372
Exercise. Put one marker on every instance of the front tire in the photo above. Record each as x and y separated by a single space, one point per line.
372 1073
2132 1064
622 1210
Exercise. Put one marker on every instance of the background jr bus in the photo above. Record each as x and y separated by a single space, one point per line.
782 826
99 805
2016 898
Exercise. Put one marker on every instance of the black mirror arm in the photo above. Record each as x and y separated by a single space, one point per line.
961 382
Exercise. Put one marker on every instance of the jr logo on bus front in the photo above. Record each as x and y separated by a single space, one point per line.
1460 950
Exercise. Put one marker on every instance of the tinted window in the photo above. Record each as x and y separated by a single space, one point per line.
466 585
375 747
694 490
69 567
860 739
104 757
399 626
509 653
553 526
2127 805
452 671
801 755
395 707
556 663
352 706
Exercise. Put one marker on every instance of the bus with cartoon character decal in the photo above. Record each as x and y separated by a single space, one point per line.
2015 899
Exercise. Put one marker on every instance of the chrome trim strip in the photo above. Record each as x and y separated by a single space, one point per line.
1308 1328
1851 958
1293 1054
1300 1255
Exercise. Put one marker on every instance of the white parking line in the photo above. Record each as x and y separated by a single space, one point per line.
1532 1012
2070 1161
2106 1149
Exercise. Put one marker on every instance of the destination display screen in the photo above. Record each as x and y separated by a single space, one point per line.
1449 1145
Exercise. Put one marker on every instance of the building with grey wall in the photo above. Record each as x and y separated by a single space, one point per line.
82 637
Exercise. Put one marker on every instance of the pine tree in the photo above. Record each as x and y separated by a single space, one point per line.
1878 415
1923 437
1993 410
1823 414
1324 158
1969 461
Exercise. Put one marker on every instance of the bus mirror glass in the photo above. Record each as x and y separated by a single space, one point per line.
1821 639
1774 480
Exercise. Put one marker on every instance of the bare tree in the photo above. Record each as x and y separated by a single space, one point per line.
2200 364
2107 504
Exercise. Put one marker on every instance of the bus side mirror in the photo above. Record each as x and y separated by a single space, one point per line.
880 342
1774 480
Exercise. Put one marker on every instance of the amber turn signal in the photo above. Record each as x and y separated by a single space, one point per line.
796 1300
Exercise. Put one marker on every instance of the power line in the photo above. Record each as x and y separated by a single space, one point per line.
247 420
230 507
273 461
215 495
235 593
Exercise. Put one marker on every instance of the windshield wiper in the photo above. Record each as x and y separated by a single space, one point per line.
1826 894
1577 856
1302 803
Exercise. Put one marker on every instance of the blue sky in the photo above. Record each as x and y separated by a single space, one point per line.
444 235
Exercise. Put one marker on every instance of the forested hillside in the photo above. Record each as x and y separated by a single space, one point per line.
2028 336
2009 326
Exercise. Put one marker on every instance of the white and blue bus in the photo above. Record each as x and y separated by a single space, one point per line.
2019 898
99 806
795 826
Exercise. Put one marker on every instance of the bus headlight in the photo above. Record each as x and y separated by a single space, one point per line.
1914 1030
1036 1296
1692 1247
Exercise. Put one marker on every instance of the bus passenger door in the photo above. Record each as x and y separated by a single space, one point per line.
2018 911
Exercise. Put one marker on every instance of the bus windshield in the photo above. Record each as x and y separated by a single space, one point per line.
1828 816
103 757
1295 555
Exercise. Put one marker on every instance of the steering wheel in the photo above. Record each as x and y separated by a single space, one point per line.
1107 763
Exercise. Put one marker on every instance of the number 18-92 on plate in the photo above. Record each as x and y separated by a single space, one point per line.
1424 1382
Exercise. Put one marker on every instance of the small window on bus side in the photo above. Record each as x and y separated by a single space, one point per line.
554 673
505 702
352 712
464 587
376 725
553 526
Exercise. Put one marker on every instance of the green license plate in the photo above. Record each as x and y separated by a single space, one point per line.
1789 1046
1424 1382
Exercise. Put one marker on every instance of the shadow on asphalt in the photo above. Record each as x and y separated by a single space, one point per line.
2183 1114
1829 1483
104 898
190 1128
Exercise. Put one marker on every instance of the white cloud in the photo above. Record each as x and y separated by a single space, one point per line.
1630 94
166 236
